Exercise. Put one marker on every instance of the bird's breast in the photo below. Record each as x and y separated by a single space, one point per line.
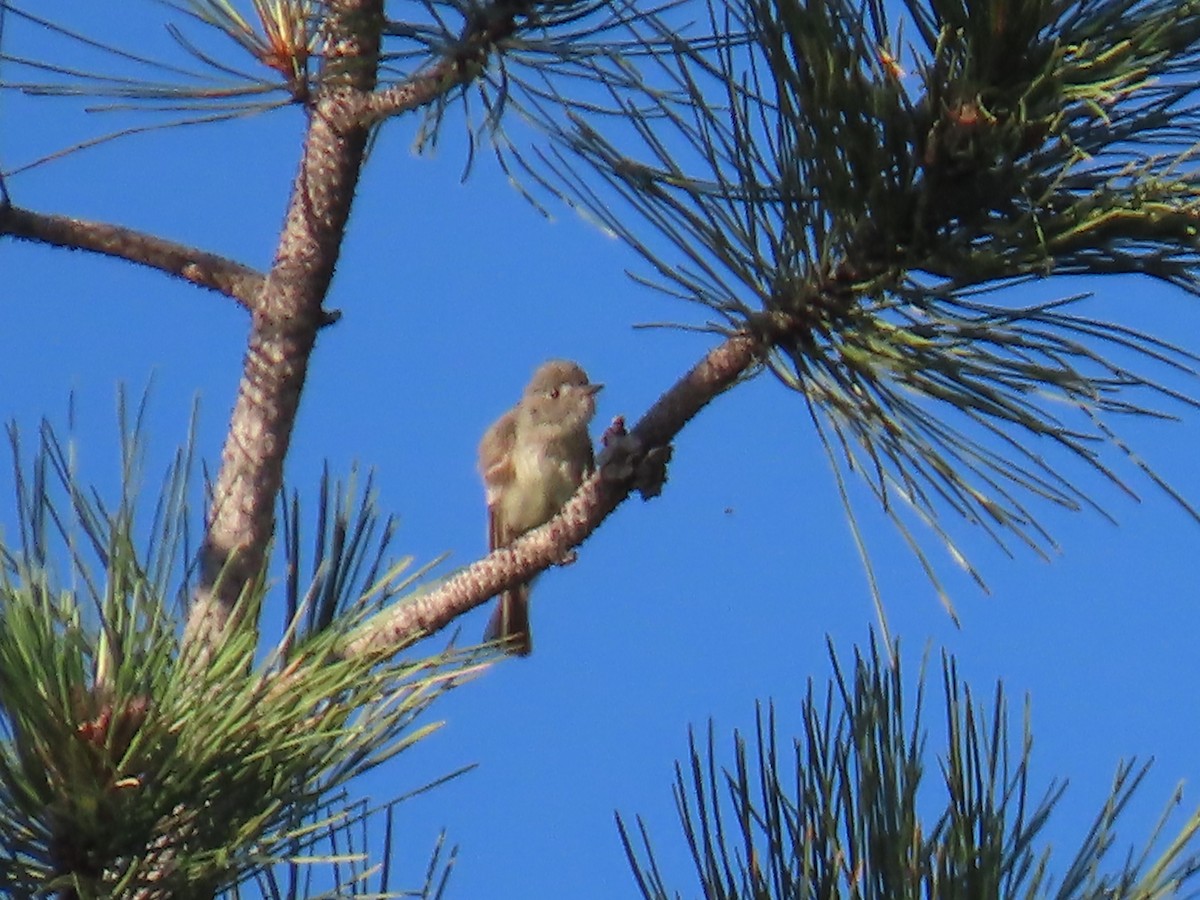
543 481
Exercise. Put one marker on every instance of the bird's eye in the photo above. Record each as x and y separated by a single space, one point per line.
554 394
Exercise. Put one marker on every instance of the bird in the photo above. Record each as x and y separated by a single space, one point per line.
532 460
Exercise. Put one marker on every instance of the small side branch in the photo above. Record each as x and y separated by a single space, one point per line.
206 270
623 464
462 63
413 93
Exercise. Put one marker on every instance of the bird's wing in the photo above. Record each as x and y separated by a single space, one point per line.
496 467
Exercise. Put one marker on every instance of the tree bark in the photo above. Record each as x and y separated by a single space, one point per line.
205 270
285 319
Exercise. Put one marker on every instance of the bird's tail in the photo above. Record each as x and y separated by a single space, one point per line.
510 622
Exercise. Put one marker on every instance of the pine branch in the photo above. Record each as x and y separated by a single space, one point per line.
284 329
864 193
411 94
207 270
629 462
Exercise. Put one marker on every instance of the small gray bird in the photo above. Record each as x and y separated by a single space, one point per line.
533 459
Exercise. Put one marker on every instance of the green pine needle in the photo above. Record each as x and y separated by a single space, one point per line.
122 767
851 809
859 198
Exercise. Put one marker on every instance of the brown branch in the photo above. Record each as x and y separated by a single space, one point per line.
414 93
284 327
206 270
616 478
485 28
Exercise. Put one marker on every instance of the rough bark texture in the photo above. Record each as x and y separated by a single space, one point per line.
203 269
286 317
616 478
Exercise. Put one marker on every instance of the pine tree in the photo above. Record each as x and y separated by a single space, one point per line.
842 192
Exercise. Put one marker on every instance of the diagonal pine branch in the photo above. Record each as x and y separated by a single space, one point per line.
631 462
207 270
412 94
812 178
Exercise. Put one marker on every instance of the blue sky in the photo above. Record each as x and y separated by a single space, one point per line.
717 594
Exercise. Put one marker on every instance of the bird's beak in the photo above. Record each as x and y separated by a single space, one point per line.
593 388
